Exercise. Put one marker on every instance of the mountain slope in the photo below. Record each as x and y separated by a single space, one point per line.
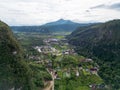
92 37
52 27
101 41
14 72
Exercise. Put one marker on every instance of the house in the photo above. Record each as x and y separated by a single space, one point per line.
49 63
51 40
88 60
86 70
39 62
55 75
67 74
97 86
66 53
39 50
80 67
77 74
14 53
69 52
93 86
93 71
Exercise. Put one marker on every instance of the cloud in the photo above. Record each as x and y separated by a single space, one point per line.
115 6
98 6
37 12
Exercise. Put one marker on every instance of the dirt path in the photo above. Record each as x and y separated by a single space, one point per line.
50 83
50 86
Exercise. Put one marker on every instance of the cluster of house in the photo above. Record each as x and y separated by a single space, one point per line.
86 60
69 52
46 49
97 86
67 72
92 70
51 41
32 57
64 40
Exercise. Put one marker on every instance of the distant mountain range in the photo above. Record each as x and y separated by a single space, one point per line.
60 25
61 22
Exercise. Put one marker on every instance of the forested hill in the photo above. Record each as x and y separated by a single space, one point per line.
101 41
52 27
14 72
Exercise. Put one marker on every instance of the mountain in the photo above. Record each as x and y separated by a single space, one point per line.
14 72
101 41
52 27
61 22
95 36
40 29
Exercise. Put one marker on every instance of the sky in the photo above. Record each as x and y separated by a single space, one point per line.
38 12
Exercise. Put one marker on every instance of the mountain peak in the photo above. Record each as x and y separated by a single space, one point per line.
61 21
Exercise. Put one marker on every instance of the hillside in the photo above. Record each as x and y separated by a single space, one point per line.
15 72
92 37
101 41
52 27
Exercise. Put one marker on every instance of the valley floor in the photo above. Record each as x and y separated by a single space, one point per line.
68 70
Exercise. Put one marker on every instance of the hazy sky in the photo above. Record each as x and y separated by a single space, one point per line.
37 12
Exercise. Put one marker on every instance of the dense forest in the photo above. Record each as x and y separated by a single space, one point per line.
101 42
15 72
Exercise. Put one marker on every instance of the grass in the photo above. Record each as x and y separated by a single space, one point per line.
59 36
82 88
86 72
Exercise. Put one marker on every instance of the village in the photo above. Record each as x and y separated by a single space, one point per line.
54 61
62 65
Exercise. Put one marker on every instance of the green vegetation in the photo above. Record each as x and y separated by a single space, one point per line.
30 39
30 69
15 72
61 63
102 43
40 75
67 79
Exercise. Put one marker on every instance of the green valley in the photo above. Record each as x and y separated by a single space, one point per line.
82 60
59 44
59 58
